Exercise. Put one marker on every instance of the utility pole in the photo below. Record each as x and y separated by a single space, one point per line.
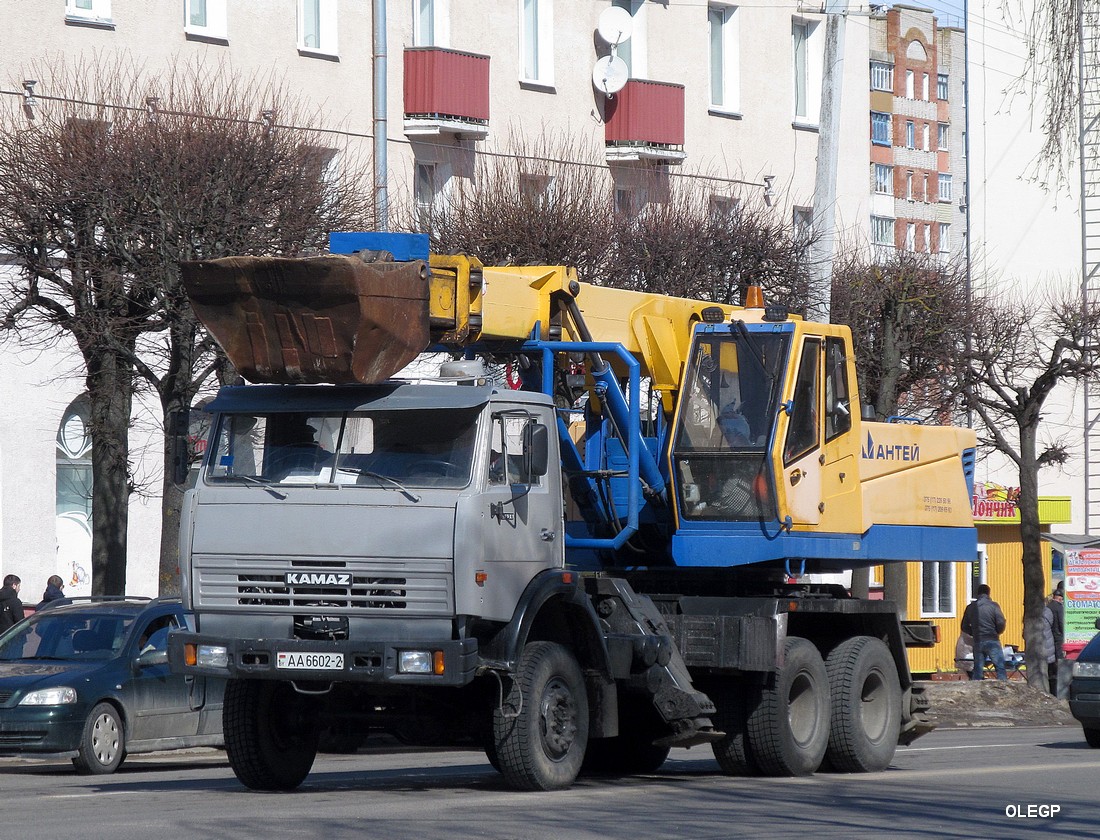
828 153
381 126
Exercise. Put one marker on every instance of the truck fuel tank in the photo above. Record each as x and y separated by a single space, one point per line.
329 319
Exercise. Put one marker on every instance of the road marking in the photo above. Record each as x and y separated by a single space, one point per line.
965 747
97 794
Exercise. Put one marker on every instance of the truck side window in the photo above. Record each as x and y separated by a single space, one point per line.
506 449
802 430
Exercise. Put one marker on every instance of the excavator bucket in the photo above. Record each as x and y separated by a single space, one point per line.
333 319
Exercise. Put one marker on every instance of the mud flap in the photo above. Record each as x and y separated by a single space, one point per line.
657 667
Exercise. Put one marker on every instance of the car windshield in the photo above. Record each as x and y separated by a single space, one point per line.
70 636
388 449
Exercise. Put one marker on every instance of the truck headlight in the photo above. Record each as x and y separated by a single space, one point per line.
1086 669
414 662
59 696
212 656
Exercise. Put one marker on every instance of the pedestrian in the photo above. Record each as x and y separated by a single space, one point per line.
11 608
984 620
54 585
1057 622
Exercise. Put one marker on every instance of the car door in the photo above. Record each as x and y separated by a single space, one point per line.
161 703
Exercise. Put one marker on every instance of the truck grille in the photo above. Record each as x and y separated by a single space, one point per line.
421 586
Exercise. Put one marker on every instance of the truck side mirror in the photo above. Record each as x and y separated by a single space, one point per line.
179 426
536 451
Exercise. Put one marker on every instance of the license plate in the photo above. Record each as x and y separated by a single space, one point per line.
303 661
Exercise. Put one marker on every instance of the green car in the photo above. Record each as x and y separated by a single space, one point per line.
89 679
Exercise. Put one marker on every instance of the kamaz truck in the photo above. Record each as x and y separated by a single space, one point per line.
616 548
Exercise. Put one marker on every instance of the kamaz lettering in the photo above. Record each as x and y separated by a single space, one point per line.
318 579
890 451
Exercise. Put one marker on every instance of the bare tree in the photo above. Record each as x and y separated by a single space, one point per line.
906 312
544 201
1052 31
120 176
1021 350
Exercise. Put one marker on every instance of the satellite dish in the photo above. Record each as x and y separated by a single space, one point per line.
615 25
610 74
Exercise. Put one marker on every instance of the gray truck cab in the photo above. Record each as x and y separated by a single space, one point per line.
364 514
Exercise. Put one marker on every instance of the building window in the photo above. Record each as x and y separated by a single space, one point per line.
943 133
882 76
802 221
537 41
880 129
909 186
73 497
911 237
937 589
317 26
536 190
926 137
945 237
806 46
431 23
426 190
945 187
908 84
629 201
882 231
910 135
725 71
924 87
723 208
208 18
633 50
941 86
91 10
884 179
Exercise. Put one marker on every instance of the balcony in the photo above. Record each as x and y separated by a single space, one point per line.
645 122
446 92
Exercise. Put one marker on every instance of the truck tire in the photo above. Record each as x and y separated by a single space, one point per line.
1092 737
788 728
541 730
865 696
732 752
271 733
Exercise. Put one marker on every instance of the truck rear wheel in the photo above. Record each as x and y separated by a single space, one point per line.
789 727
732 752
541 730
271 733
866 706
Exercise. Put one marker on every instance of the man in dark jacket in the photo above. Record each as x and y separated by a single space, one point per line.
1057 621
984 620
54 587
11 608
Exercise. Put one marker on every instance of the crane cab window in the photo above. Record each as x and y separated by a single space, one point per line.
802 431
838 403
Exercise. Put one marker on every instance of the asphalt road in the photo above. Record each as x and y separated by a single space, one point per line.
961 783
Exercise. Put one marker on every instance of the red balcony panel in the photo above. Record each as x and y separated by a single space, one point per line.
645 112
446 84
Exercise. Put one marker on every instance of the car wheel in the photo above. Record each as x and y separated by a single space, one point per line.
103 744
1092 737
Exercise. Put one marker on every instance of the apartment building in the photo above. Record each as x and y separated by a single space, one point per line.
917 124
720 93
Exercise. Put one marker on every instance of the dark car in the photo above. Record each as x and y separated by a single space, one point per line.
1084 689
90 680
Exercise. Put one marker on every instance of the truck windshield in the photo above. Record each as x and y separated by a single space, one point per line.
387 449
726 416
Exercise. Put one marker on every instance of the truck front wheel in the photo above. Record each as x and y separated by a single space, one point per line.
866 706
271 733
541 730
789 727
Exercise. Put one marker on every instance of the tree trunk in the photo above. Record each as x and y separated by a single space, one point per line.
861 582
110 395
172 503
1032 558
895 586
